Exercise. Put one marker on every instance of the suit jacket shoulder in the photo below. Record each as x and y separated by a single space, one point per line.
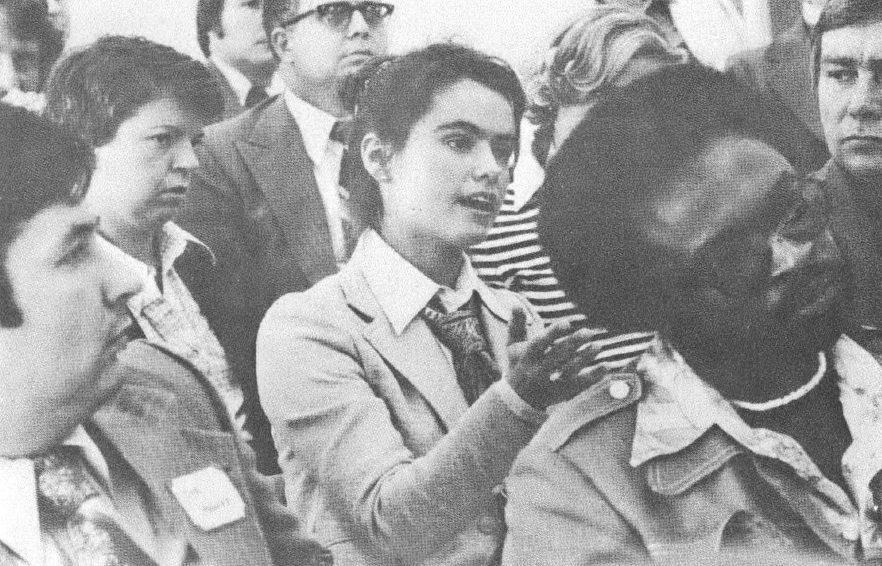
232 106
166 422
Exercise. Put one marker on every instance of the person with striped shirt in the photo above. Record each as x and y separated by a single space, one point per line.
604 48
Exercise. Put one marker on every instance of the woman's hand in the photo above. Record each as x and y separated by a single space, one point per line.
550 368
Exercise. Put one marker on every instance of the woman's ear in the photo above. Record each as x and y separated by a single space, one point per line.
375 154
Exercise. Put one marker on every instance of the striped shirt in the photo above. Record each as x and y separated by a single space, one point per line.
512 258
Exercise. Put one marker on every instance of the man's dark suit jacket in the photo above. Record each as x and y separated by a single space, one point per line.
232 106
782 74
254 201
854 210
166 422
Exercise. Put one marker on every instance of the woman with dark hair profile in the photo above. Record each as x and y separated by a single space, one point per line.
401 389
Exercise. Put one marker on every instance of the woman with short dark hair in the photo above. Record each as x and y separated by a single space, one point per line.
401 389
142 107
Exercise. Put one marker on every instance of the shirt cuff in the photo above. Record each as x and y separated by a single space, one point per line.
518 406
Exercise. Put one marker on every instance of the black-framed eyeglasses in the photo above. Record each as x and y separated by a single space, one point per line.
338 15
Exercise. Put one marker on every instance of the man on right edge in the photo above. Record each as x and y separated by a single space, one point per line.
848 74
749 433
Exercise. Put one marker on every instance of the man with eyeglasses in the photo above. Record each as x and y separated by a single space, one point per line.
266 198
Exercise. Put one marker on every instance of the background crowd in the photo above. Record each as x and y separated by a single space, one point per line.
306 282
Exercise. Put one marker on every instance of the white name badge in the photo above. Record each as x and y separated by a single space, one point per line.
209 498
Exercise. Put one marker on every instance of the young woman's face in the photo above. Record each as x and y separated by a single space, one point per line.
142 175
448 181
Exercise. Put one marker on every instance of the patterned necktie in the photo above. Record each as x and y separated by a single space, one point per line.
256 95
71 505
461 332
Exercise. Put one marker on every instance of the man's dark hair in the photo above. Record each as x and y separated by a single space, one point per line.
41 165
842 14
208 18
624 153
96 88
29 21
390 95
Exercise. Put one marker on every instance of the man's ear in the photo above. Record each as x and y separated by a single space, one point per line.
278 40
375 155
215 33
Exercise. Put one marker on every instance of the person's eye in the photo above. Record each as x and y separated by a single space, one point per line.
162 140
460 142
78 251
333 11
196 140
841 75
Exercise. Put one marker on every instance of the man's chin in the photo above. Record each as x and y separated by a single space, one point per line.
862 166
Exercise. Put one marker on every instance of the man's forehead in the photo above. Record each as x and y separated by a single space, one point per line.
59 223
857 43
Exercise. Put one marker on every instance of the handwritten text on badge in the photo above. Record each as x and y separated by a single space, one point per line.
209 498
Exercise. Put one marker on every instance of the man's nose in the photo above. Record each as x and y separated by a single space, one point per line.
119 276
866 96
357 25
185 156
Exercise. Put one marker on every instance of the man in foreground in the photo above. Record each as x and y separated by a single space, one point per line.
112 452
749 428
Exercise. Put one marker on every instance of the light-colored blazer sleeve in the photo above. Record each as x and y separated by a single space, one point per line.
364 456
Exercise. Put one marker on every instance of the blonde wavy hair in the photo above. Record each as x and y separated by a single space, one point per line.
589 52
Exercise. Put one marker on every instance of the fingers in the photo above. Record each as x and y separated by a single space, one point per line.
538 345
564 348
517 330
573 366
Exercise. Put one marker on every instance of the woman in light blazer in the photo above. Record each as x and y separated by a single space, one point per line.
396 423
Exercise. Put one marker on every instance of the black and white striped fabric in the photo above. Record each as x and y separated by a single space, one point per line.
511 257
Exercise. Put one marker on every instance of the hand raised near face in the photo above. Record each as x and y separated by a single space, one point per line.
551 367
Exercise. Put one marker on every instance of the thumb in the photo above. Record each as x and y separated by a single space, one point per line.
517 329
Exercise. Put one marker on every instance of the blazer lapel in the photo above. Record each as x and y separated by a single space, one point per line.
415 354
277 159
158 454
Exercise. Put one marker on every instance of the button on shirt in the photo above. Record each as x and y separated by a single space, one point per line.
403 302
315 129
679 407
20 530
171 318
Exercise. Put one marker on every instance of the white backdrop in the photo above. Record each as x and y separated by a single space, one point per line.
512 29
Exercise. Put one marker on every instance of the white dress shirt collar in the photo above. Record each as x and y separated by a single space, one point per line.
412 291
315 125
19 515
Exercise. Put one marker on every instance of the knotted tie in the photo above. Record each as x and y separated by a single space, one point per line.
71 504
461 332
341 131
256 95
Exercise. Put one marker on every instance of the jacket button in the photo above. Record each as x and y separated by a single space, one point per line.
851 531
488 525
619 389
